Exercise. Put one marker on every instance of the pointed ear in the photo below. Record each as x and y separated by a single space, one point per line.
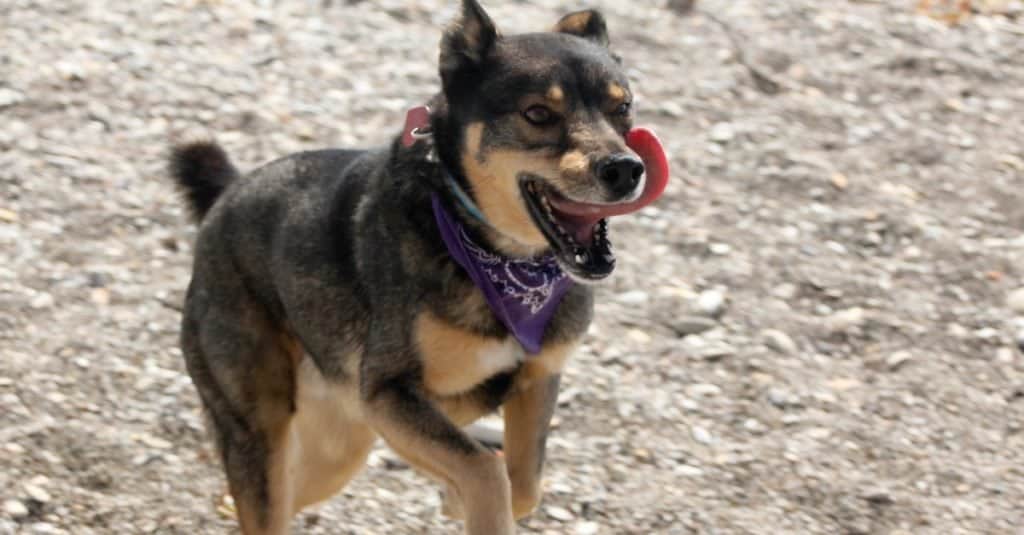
468 41
588 24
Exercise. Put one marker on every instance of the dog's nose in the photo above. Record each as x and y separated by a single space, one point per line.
621 173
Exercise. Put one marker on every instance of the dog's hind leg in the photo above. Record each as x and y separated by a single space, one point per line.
243 369
260 482
329 440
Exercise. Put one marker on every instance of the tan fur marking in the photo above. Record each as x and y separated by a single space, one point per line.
555 95
574 163
462 410
575 23
332 441
280 485
470 308
616 93
494 177
455 360
551 360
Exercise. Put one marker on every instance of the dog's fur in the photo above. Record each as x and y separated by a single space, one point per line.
324 310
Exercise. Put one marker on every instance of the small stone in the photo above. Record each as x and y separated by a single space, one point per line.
672 109
686 470
10 97
957 331
839 181
36 492
691 325
845 320
711 303
100 296
782 399
587 528
879 497
683 7
226 508
155 442
987 333
42 300
639 336
715 352
15 509
703 390
702 435
818 433
720 249
1005 355
898 359
45 528
842 384
636 297
779 341
643 455
1012 161
1016 300
8 216
1020 341
722 133
559 513
786 291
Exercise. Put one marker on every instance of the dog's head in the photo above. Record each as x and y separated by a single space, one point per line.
539 124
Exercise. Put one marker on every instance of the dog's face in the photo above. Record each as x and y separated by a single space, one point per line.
541 121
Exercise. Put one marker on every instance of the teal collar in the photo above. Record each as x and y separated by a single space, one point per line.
462 196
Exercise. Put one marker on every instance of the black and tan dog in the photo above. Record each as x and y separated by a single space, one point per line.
325 309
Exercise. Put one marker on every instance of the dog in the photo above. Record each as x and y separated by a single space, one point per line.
340 296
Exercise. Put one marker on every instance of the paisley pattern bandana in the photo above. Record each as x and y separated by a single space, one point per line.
523 293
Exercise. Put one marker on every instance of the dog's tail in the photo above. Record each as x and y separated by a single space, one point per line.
202 170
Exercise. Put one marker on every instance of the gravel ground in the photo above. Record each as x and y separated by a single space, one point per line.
816 331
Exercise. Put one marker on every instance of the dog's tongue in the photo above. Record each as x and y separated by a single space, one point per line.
584 216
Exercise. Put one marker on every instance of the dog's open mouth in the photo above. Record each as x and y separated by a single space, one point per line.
580 242
578 232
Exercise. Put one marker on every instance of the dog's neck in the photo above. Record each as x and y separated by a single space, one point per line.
426 133
523 293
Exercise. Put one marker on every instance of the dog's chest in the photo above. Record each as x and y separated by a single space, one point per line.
457 360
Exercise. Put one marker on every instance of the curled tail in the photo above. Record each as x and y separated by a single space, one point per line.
202 171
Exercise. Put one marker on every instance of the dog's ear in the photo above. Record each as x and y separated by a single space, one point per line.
468 41
588 24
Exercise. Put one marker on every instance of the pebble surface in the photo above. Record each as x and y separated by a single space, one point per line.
815 330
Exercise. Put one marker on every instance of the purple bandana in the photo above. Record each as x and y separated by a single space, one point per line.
523 293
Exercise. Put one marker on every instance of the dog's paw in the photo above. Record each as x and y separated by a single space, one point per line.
451 504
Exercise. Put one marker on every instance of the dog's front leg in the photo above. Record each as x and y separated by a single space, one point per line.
400 412
527 418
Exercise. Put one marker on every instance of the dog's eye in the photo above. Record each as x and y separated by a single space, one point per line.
624 108
540 115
